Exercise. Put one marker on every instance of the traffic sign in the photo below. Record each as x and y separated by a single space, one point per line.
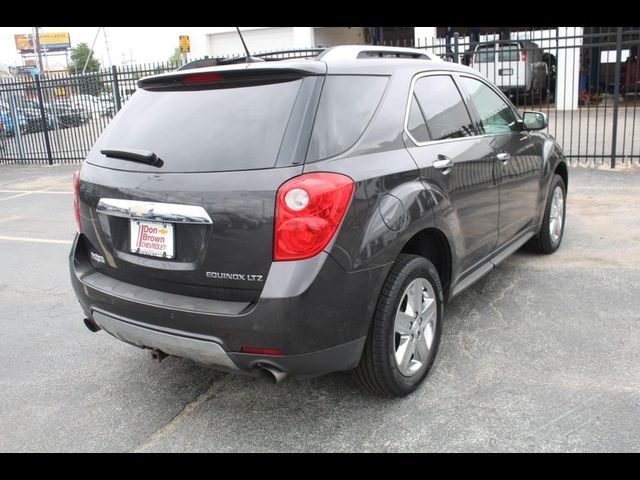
185 44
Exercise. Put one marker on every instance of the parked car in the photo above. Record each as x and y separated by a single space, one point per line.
518 67
385 182
72 104
7 119
65 114
2 135
95 105
31 110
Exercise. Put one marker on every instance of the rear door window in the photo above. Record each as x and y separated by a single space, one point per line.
445 114
218 129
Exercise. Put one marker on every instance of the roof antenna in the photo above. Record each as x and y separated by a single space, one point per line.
250 59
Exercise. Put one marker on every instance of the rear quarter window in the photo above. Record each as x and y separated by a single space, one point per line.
346 107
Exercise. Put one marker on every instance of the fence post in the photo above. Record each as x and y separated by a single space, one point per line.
616 95
17 130
43 119
456 57
116 88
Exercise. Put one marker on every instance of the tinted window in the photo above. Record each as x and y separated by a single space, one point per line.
495 115
443 108
415 123
346 108
486 54
205 130
509 53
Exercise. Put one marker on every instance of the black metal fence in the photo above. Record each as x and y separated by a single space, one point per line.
587 81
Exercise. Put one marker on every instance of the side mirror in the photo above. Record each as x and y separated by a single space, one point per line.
534 120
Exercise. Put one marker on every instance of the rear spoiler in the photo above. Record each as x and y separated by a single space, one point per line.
210 78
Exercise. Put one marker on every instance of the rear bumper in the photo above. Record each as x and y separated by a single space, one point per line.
313 311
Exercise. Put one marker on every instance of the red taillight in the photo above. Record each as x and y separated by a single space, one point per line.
523 55
201 78
76 200
261 351
309 209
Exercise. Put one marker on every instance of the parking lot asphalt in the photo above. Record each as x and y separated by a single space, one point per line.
542 354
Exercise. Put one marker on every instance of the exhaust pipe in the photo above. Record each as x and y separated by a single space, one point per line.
272 374
91 325
158 355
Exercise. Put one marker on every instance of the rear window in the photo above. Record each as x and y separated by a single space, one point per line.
346 107
509 53
220 129
486 54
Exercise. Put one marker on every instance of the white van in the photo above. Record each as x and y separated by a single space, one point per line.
517 67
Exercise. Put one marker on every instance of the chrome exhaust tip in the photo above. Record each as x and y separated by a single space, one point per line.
91 325
272 374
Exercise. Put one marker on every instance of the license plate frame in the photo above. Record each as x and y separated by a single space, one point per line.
152 239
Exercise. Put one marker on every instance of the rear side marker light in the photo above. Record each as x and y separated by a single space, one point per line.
262 351
309 210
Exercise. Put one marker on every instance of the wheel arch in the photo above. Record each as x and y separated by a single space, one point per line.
433 244
562 170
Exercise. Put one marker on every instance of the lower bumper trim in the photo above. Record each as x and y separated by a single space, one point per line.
201 351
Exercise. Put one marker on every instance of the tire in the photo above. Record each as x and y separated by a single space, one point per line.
379 370
545 241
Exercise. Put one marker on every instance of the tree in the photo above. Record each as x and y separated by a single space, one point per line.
79 55
88 84
175 59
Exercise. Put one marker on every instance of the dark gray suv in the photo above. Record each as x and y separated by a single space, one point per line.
310 216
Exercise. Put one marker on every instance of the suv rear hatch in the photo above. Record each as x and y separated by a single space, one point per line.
178 193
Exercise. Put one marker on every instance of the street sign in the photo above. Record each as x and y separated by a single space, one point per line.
185 44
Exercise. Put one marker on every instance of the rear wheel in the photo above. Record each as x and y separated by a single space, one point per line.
549 237
405 334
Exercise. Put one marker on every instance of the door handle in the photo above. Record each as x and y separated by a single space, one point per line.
504 157
443 163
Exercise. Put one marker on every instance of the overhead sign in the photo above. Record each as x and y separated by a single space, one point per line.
185 44
58 40
50 41
23 42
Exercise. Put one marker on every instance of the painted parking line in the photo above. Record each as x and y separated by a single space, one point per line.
15 196
35 240
26 192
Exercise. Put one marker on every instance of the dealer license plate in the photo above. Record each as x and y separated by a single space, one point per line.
152 238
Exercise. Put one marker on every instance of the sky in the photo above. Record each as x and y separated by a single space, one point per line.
126 44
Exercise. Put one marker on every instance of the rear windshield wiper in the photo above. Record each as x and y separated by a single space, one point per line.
141 156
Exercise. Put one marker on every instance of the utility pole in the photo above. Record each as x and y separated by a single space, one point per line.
36 39
106 43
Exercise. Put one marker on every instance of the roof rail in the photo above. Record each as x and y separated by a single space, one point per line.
352 52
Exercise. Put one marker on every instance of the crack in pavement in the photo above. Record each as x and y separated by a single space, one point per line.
188 408
504 292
